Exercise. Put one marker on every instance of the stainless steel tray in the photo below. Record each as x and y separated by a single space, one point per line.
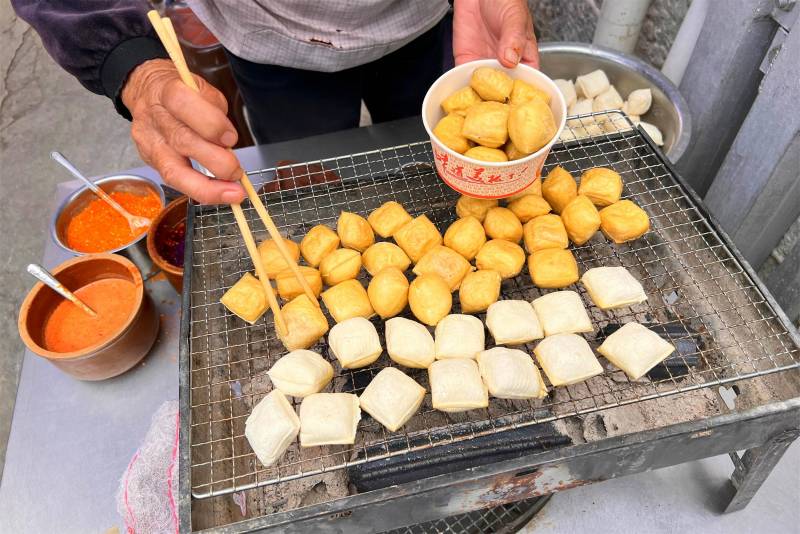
690 272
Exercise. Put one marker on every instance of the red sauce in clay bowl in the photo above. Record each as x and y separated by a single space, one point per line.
85 347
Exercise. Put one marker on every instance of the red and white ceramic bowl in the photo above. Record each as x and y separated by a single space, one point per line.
485 179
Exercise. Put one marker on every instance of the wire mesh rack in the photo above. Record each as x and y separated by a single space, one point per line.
503 519
690 272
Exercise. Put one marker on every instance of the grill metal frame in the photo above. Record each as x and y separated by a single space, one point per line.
667 255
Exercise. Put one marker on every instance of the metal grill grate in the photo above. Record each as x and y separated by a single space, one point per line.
503 519
691 276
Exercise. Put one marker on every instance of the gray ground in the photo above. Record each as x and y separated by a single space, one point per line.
42 109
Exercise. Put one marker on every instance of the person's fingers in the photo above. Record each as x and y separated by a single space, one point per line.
466 58
176 172
211 93
200 112
220 161
513 34
530 55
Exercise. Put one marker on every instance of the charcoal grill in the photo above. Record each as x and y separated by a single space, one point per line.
695 280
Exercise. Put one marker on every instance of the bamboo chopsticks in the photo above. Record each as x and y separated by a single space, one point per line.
166 34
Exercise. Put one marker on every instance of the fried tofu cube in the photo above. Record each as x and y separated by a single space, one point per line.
476 207
553 268
486 123
460 101
354 231
501 223
445 262
483 153
529 207
318 243
602 185
246 299
417 237
559 188
531 125
503 256
346 300
388 218
271 257
466 236
305 323
491 84
479 290
545 231
580 219
448 131
523 92
289 287
624 221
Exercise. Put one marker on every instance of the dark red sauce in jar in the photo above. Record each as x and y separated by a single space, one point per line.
170 242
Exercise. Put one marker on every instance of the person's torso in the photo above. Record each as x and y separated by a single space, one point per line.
322 35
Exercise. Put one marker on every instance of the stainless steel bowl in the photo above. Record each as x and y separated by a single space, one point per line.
669 110
136 250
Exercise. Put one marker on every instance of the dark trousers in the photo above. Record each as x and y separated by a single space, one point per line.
285 103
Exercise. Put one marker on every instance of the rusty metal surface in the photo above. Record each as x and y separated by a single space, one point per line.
491 485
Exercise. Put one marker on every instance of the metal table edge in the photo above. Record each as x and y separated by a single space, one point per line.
184 386
776 409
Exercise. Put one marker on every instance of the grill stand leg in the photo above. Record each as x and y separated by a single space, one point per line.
754 466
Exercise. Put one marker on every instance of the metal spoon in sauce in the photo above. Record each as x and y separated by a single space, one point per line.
134 221
50 281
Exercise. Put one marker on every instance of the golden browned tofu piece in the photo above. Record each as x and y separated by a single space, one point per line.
346 300
445 262
448 131
305 323
318 243
534 189
512 152
388 218
289 287
545 231
354 231
340 265
501 223
466 236
559 188
460 101
271 257
476 207
503 256
384 254
487 124
491 84
388 292
479 290
483 153
246 299
523 92
580 219
602 185
528 207
429 298
552 268
624 221
531 125
417 237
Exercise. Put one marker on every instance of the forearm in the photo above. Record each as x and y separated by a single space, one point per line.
99 42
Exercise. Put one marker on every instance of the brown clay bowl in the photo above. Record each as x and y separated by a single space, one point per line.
107 358
171 215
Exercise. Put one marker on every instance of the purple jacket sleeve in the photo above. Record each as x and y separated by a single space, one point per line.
99 42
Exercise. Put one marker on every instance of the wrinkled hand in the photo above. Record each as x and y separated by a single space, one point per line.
172 123
501 29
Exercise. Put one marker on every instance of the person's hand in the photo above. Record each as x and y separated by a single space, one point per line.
172 123
501 29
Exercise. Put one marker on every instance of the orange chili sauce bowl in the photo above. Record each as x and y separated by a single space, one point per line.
136 249
108 357
168 218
